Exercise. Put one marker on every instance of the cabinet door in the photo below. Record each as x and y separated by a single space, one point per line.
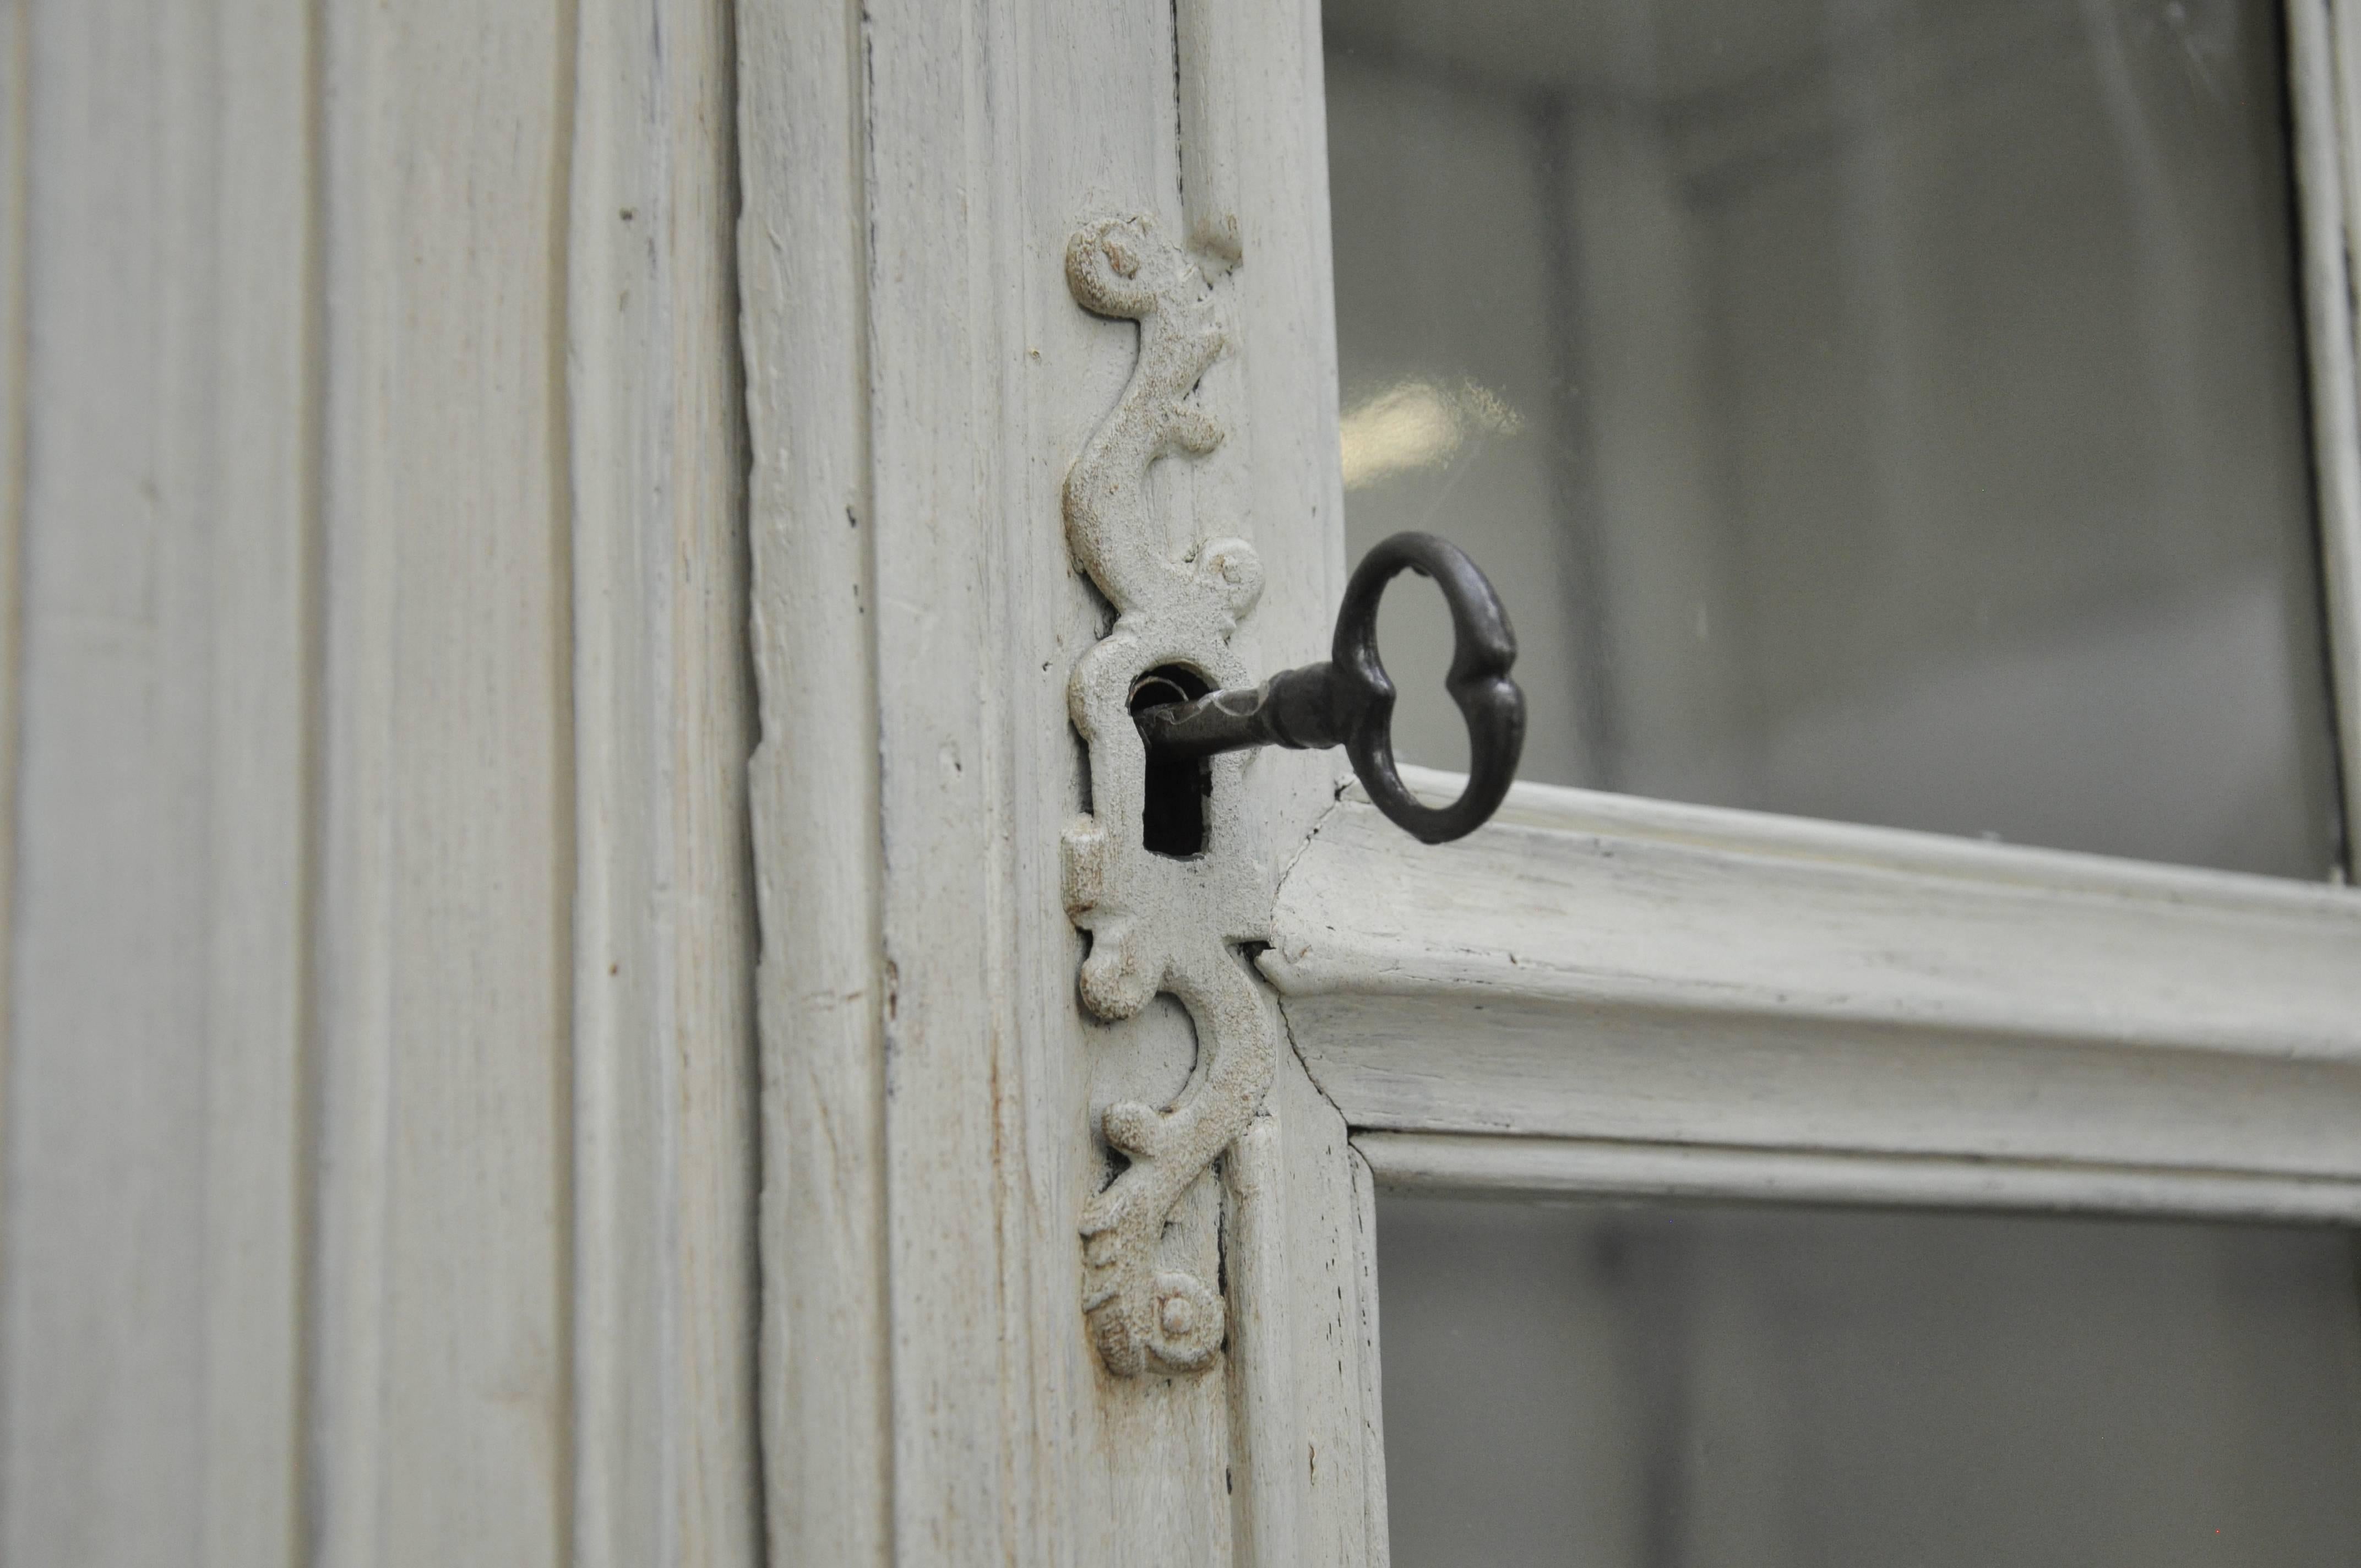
1674 992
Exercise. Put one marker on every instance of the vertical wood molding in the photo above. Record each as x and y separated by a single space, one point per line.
1372 1390
442 1379
260 443
993 129
2325 74
161 189
918 375
665 1466
813 784
385 879
1303 1406
1206 35
15 387
989 1425
918 989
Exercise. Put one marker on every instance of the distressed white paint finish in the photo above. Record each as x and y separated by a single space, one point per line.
1372 1378
522 695
666 1468
1599 1166
981 137
813 788
384 622
1591 966
2323 78
149 1328
1772 984
442 1389
1209 35
1008 1444
15 158
1309 1473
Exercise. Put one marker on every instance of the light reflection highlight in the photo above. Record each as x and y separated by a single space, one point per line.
1416 424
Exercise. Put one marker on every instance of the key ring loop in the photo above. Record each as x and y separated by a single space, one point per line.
1483 648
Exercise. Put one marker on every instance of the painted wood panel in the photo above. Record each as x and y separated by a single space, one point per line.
664 1307
1598 967
15 171
444 1383
921 377
990 131
813 784
379 1155
149 1323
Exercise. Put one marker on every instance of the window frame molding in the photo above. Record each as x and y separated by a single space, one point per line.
1681 998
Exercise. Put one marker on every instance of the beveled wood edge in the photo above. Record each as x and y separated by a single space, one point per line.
1573 900
1477 1164
1772 834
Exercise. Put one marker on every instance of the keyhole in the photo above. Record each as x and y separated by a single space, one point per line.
1172 817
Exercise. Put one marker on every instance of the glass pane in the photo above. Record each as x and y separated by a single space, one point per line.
1882 410
1732 1388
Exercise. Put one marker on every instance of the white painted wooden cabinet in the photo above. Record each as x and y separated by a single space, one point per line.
545 1016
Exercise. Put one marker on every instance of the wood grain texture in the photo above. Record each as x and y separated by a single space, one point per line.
443 1388
158 954
15 385
1602 967
1310 1481
666 1468
813 784
983 137
264 720
352 455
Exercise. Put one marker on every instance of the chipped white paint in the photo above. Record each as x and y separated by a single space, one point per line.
376 1166
920 378
1159 923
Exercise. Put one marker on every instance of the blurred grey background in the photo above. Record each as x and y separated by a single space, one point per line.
1882 410
1754 1387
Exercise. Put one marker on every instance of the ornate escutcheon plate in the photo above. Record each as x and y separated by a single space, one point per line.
1159 923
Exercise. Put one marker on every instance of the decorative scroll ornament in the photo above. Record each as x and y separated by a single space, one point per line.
1159 923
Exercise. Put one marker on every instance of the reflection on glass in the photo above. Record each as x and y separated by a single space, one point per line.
1725 1387
1884 410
